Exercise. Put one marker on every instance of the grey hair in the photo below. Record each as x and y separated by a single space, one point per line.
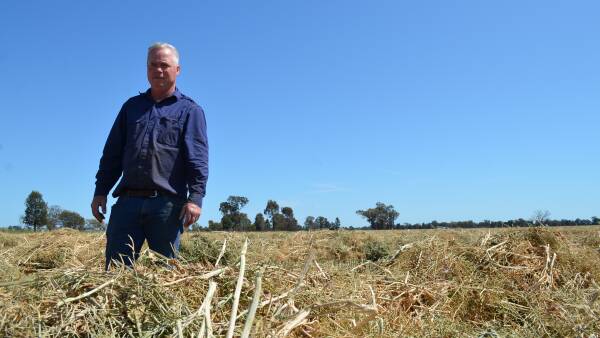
161 45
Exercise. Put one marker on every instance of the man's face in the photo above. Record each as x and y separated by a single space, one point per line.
162 69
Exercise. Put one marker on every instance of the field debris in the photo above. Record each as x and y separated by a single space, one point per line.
528 282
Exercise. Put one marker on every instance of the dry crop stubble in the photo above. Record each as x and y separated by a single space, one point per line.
500 282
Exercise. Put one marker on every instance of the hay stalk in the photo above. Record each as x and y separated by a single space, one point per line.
87 294
254 304
238 290
298 320
221 253
207 275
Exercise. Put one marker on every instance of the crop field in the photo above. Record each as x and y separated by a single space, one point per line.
512 282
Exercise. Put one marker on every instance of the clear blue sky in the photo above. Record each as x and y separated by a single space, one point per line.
448 110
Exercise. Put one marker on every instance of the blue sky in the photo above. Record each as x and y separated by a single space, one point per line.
448 110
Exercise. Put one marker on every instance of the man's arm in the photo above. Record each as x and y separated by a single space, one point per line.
196 163
111 164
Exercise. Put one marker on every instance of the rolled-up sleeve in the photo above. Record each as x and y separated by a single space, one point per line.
111 164
196 154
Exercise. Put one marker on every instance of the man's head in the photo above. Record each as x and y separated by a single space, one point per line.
163 66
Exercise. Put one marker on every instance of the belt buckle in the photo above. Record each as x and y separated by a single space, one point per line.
154 194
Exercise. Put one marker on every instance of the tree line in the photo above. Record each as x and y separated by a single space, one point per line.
384 216
272 218
39 216
520 222
380 217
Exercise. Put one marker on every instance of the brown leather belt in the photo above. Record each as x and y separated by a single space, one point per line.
140 193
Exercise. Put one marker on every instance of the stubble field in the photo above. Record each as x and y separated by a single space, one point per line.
527 282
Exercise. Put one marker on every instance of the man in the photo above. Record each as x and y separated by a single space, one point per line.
159 145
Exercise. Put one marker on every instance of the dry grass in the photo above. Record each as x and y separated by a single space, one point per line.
432 283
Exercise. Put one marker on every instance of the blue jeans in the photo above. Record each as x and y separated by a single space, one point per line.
135 219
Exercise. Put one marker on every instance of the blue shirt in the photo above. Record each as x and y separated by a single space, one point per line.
156 146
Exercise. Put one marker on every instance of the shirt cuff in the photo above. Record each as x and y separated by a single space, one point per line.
196 199
101 191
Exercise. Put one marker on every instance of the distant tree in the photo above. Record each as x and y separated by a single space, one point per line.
322 222
259 222
233 218
53 221
236 222
595 220
214 226
578 221
227 223
520 222
271 210
309 223
243 223
291 223
71 219
287 212
233 204
336 224
380 217
540 217
36 210
93 224
279 222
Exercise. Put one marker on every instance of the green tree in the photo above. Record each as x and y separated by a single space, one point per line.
291 223
279 222
242 222
322 222
214 226
227 222
259 222
71 219
233 204
36 210
233 218
271 210
336 224
53 213
381 217
595 220
309 223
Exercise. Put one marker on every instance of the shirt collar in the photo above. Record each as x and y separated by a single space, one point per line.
177 94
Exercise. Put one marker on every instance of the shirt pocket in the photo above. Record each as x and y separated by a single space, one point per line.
169 131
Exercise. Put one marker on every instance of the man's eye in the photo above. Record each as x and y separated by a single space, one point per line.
161 66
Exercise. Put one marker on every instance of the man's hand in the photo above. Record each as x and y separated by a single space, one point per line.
190 213
99 202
